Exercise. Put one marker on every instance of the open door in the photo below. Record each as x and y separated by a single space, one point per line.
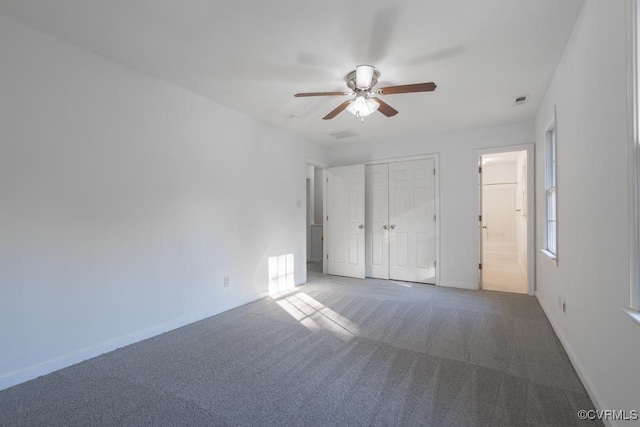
344 221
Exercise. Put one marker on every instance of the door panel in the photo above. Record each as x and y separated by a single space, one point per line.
337 248
354 248
412 220
401 208
345 223
422 250
422 206
377 221
401 250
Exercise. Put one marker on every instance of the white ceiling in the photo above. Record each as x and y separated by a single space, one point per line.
252 56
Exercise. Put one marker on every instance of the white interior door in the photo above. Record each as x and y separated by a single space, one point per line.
412 229
345 221
498 217
377 221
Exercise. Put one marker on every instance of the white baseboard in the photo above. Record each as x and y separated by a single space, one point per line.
588 385
50 366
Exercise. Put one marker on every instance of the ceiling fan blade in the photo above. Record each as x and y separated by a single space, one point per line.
385 108
298 95
417 87
337 110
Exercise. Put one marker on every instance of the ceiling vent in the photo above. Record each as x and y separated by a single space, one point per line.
521 100
342 134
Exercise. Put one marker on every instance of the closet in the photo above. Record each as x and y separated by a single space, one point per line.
382 221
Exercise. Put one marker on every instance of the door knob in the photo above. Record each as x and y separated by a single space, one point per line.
484 226
385 226
361 226
392 226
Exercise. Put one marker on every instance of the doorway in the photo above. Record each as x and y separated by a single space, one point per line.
504 237
315 177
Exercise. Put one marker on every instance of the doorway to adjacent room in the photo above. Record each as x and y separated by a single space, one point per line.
503 196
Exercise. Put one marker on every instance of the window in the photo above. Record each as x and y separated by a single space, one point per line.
551 226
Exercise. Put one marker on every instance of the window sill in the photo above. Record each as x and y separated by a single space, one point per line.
635 315
550 256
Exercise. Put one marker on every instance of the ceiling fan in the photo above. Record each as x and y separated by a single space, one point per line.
361 82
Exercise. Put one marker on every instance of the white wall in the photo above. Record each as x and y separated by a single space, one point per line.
458 186
125 201
592 275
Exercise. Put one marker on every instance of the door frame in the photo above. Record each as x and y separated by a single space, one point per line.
323 167
531 223
436 158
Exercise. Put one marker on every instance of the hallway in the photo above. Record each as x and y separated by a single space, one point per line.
503 276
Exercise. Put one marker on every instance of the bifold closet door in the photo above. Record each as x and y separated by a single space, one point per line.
345 221
377 221
412 221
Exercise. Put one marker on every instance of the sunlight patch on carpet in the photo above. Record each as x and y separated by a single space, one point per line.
315 316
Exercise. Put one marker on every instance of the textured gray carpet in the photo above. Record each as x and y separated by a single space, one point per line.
336 351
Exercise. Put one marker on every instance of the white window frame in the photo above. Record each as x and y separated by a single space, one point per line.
633 81
551 191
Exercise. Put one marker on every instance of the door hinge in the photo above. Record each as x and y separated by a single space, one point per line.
435 263
327 180
327 217
434 217
479 266
480 218
479 169
327 256
434 171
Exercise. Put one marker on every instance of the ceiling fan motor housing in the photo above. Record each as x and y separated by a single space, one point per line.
366 82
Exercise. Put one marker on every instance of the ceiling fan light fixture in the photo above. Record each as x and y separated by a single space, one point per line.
372 105
364 76
362 106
